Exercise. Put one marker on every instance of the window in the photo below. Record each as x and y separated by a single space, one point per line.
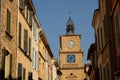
104 73
105 27
25 40
22 4
35 32
98 39
20 34
101 37
29 47
10 70
30 17
8 21
19 71
100 72
37 60
33 58
3 63
30 76
26 12
117 29
108 71
24 73
6 64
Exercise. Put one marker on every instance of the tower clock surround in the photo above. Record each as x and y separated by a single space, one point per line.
71 54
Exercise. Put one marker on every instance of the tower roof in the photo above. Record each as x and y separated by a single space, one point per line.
70 26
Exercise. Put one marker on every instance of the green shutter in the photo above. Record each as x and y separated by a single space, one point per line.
30 76
25 40
29 47
20 34
19 71
24 73
30 17
8 21
10 77
3 63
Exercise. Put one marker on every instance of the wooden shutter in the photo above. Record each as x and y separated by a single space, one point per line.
33 58
37 57
19 71
3 64
10 67
29 47
25 40
21 5
8 21
24 73
117 21
20 34
117 29
30 76
30 17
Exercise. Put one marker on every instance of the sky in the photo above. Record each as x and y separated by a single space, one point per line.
53 16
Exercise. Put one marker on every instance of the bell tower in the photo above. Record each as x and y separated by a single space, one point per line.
71 54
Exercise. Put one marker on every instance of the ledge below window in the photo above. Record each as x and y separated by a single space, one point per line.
25 53
8 35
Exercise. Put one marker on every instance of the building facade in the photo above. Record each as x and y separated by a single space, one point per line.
45 64
71 54
24 51
107 39
8 39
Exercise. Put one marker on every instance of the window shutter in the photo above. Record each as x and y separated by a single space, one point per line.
117 21
19 71
24 73
8 21
25 40
105 27
33 58
3 64
29 47
10 67
37 57
30 76
20 34
117 29
30 17
21 5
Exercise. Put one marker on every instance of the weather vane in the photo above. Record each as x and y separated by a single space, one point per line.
69 13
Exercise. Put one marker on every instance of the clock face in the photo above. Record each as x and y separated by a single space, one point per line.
71 58
70 44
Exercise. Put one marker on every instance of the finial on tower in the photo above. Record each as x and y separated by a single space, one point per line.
70 25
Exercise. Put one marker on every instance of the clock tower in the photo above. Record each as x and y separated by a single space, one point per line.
71 54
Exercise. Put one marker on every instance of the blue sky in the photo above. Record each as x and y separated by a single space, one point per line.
53 16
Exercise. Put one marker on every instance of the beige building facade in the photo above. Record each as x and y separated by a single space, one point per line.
107 39
71 54
24 52
45 64
8 39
